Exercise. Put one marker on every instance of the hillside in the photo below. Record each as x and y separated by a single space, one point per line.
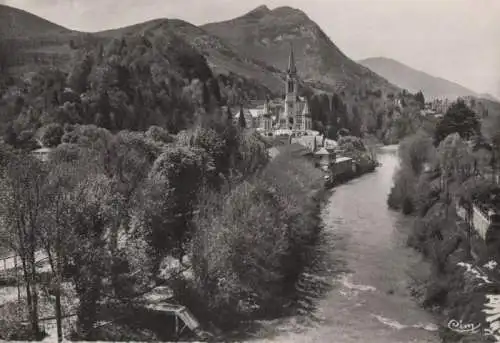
246 56
223 59
414 80
18 23
266 35
488 96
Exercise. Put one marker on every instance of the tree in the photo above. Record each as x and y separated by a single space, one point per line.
90 209
60 181
22 216
415 151
171 194
241 119
419 97
51 135
460 119
229 115
455 159
159 134
78 78
8 55
491 129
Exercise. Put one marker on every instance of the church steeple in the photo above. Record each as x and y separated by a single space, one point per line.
291 92
292 69
266 107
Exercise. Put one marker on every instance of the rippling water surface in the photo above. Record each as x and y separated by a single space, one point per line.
368 269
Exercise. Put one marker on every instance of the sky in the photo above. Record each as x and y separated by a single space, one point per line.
458 40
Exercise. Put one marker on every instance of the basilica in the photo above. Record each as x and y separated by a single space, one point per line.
288 116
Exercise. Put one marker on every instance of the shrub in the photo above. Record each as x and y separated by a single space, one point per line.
245 244
11 325
51 135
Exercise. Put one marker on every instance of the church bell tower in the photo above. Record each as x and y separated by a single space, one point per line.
291 91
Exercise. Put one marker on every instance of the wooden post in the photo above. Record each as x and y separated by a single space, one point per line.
17 280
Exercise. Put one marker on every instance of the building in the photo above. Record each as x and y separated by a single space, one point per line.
440 106
296 115
324 158
343 166
290 116
42 154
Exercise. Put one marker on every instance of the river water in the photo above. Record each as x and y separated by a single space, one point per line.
368 270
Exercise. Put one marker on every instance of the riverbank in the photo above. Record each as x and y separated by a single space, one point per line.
255 243
358 290
454 290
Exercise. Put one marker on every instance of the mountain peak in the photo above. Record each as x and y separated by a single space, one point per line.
267 38
286 11
261 8
258 12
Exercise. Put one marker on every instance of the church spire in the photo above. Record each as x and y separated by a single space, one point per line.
291 61
266 106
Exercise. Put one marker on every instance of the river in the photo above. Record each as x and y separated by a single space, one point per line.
368 269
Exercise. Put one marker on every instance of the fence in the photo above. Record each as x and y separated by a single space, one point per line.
14 261
480 221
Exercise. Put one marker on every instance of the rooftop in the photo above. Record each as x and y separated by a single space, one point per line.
43 150
342 159
322 151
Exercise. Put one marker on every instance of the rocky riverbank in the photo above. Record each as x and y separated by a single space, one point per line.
454 289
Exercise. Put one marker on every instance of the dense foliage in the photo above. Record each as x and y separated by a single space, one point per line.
131 82
460 119
431 181
389 117
251 244
110 208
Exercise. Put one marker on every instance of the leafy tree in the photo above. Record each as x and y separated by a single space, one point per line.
22 218
56 234
159 134
91 210
241 119
415 151
455 158
491 128
344 132
79 77
229 115
460 119
419 97
52 135
172 189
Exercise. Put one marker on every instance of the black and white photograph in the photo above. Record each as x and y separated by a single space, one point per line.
258 171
